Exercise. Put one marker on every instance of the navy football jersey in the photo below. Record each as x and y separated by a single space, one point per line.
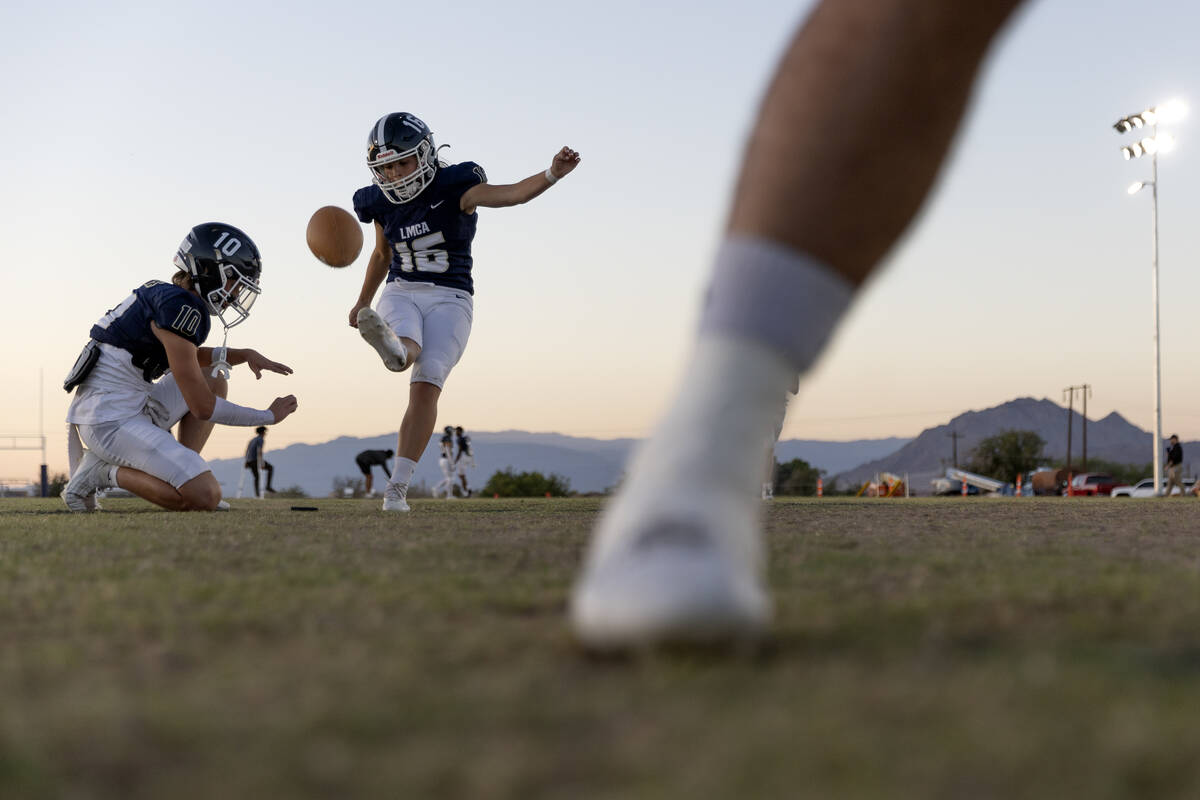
464 445
172 307
430 236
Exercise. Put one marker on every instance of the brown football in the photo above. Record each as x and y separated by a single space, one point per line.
334 236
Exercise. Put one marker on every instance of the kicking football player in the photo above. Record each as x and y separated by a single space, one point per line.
425 212
678 554
446 465
464 459
124 408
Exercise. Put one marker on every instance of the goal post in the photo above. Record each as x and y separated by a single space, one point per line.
23 441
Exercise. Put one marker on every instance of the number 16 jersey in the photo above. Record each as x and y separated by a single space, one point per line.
430 236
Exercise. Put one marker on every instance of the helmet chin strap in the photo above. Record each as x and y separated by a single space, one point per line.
220 358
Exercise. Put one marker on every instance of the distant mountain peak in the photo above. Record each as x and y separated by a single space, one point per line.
1112 438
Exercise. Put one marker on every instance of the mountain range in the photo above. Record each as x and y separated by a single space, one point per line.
1112 438
590 465
595 465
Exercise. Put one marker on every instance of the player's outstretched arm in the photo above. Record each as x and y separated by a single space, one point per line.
856 122
489 195
183 357
257 362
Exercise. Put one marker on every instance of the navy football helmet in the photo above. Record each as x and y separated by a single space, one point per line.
214 254
398 136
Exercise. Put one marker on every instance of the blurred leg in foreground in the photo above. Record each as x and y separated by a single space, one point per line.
849 138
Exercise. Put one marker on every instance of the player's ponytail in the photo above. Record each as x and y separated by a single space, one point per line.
182 278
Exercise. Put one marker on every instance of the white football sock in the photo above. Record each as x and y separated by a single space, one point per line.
403 471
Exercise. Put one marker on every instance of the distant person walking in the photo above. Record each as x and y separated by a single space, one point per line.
255 461
464 459
446 464
373 458
1174 466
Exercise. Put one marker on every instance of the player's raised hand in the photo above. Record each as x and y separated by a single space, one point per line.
283 407
258 362
564 161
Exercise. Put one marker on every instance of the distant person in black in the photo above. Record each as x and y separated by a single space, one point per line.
464 459
1174 465
254 454
371 458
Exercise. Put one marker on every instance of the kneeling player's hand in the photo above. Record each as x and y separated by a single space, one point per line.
283 407
257 362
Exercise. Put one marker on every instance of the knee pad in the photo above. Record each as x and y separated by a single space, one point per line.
431 370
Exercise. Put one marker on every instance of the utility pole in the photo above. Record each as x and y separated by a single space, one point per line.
1084 390
1069 393
955 435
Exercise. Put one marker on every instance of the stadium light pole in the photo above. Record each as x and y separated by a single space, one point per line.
1152 145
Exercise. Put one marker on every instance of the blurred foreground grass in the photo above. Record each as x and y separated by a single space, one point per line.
923 648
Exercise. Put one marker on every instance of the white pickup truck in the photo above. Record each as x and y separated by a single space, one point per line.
1145 488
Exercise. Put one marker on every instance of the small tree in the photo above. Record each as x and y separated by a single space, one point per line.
1006 454
55 484
796 477
507 483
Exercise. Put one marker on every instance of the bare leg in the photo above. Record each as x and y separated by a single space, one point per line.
851 134
201 493
415 430
369 476
419 419
856 122
414 350
194 432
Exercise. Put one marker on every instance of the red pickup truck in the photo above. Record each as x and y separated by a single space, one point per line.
1093 484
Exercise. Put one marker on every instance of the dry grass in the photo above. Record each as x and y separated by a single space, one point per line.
923 648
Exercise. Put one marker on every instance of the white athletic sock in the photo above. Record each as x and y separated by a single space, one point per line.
403 471
723 420
765 292
112 477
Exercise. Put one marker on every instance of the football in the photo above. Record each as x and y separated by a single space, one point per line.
334 236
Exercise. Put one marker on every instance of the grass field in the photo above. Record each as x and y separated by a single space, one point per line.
923 648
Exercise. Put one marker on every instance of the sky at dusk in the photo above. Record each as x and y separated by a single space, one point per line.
1028 271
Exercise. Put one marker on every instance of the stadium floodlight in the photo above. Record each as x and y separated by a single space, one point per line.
1164 113
1162 143
1170 111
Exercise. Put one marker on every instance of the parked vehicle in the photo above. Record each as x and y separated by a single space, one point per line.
1145 488
1094 484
